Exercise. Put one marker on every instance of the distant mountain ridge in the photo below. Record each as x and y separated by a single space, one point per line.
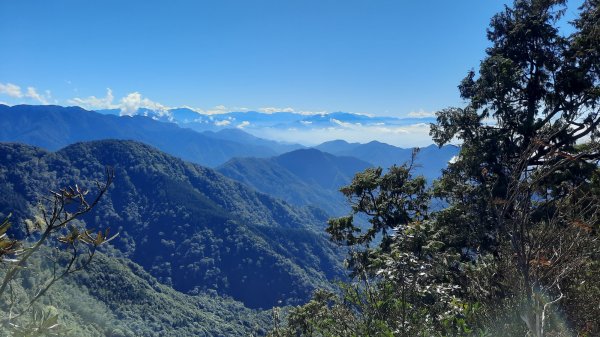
324 169
53 127
429 162
301 177
276 119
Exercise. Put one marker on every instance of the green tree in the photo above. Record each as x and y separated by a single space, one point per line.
399 285
519 182
388 202
531 87
56 234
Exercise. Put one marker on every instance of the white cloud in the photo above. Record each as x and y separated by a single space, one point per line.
95 103
243 125
421 114
42 98
128 104
217 110
223 123
134 101
340 123
309 113
11 90
270 110
404 136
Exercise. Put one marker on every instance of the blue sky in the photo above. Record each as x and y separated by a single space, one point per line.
381 57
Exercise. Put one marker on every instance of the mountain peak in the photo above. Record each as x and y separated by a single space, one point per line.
336 142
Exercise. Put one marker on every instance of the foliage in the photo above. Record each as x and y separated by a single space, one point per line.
73 248
521 221
517 192
391 201
401 285
116 297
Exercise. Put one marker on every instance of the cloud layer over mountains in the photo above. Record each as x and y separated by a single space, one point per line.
295 127
277 123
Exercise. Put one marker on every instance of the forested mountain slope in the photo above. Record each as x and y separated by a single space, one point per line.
302 177
115 297
188 226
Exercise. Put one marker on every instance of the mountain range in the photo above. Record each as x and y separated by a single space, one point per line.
189 226
272 119
54 127
310 177
302 177
429 161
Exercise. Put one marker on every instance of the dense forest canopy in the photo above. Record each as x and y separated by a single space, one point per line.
516 248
